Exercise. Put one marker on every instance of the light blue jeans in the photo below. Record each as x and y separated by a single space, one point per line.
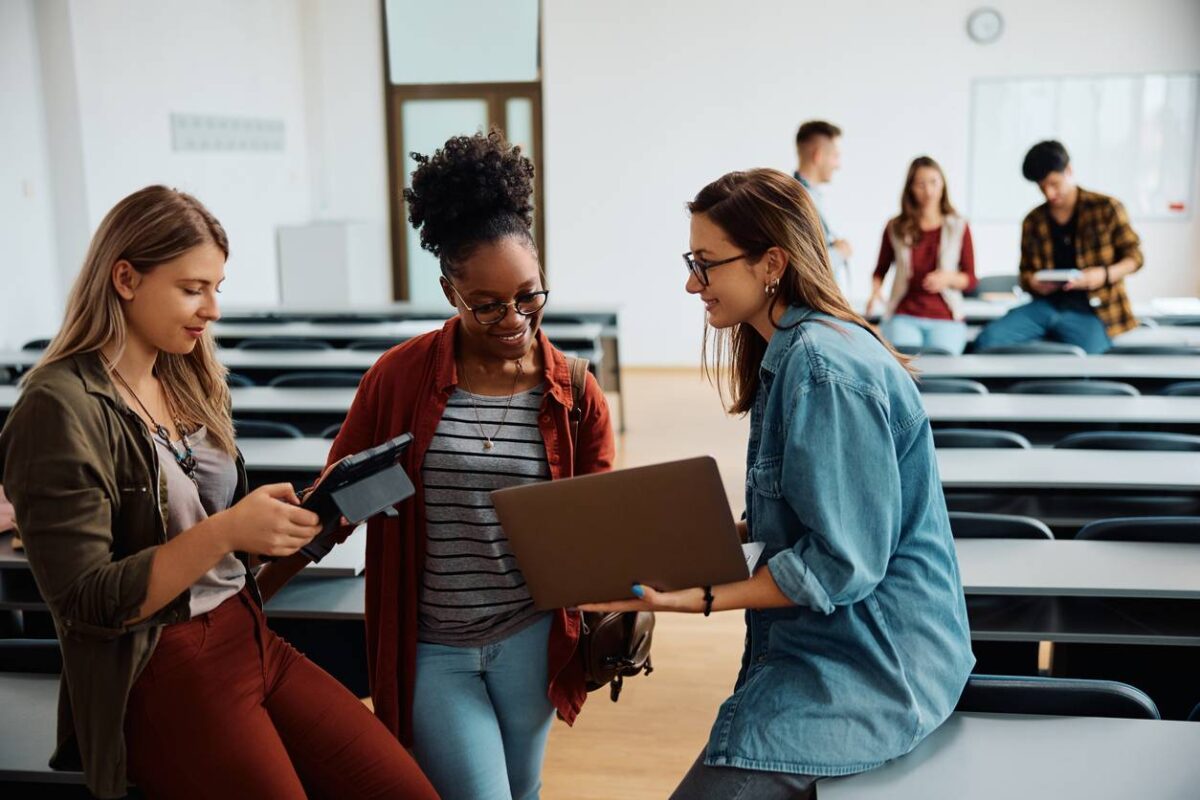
946 334
481 716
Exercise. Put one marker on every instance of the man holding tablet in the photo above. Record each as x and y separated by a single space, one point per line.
1076 250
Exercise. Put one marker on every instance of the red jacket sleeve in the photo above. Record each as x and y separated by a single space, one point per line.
966 262
886 255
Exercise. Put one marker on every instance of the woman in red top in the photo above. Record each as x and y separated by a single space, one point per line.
462 668
930 245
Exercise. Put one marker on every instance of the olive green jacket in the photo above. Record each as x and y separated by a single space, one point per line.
82 474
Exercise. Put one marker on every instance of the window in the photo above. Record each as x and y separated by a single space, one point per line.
455 67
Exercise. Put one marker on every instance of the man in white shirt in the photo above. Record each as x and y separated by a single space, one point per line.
819 157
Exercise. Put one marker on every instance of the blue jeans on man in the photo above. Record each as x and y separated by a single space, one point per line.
1063 317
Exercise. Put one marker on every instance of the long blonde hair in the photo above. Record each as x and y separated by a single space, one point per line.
760 209
149 227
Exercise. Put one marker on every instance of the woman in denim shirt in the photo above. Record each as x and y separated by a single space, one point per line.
857 645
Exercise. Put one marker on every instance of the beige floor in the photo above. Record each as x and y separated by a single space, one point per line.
640 747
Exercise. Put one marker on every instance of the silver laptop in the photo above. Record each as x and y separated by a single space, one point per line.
589 539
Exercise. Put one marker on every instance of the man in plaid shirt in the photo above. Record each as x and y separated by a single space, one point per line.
1073 230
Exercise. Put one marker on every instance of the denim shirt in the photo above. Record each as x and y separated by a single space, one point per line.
842 488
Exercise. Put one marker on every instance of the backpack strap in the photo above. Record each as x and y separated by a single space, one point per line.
579 369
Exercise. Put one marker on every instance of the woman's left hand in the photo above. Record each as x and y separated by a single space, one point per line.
645 598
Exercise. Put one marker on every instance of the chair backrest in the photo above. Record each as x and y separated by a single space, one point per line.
973 525
1129 440
1153 350
1063 697
1185 530
236 379
283 343
950 386
265 429
1195 715
36 344
1038 348
42 656
372 345
922 350
979 437
332 431
1183 389
995 284
1073 387
317 380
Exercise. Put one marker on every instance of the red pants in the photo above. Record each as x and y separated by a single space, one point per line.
226 708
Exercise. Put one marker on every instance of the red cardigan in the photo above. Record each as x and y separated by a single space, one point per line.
407 391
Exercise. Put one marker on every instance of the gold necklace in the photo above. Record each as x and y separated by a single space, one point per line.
488 444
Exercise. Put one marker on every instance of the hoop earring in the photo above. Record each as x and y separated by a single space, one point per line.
772 287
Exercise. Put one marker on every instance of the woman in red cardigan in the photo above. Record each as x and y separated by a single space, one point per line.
463 668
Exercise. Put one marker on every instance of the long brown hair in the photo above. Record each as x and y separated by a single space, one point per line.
908 224
149 227
760 209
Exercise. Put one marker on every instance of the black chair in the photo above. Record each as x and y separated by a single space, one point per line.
36 344
1143 529
372 345
972 525
1153 350
950 386
1112 388
317 380
979 437
30 655
1182 389
995 284
1129 440
283 343
265 429
1037 348
1167 673
911 350
237 380
1060 697
332 431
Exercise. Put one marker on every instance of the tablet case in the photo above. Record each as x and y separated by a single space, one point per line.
357 500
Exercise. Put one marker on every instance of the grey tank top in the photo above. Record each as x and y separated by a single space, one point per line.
189 504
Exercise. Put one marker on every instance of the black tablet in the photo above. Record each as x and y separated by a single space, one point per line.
358 487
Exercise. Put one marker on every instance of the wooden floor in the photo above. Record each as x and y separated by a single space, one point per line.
640 747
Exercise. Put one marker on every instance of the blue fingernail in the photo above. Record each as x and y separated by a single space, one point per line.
638 591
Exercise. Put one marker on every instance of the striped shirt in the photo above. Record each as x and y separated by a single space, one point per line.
472 593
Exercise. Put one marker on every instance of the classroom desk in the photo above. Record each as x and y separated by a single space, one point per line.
576 336
1066 568
1047 418
28 729
1130 593
1148 373
1001 756
1042 471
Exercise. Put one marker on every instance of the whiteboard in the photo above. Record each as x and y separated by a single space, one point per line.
1129 136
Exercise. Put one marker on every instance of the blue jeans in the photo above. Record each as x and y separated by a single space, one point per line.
730 783
1042 319
481 716
903 330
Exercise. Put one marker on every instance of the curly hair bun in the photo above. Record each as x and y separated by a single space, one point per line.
473 190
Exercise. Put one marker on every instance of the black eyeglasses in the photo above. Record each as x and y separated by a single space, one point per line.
526 305
699 267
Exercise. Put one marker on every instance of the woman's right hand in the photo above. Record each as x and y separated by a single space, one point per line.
269 522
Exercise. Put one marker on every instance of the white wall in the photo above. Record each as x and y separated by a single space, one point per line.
646 102
140 60
29 282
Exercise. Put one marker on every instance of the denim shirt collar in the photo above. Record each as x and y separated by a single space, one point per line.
782 339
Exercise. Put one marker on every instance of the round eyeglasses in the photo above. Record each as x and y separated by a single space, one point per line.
526 304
